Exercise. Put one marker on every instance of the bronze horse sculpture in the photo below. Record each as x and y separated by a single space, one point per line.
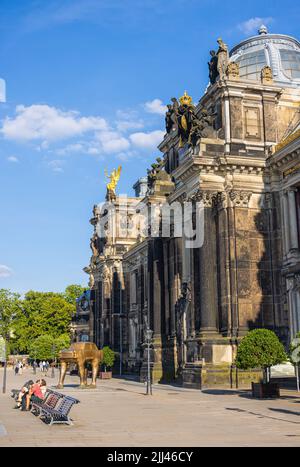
80 353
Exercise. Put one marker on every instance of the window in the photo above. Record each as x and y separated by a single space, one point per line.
251 64
290 60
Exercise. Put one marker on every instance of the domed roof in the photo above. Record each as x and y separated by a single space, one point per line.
280 52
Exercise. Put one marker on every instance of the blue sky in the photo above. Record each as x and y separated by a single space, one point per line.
87 82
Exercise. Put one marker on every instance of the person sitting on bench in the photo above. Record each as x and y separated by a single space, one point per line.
21 400
34 394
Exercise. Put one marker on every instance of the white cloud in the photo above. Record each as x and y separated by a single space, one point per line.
13 159
5 271
128 120
57 134
56 165
252 25
156 107
42 122
147 140
112 141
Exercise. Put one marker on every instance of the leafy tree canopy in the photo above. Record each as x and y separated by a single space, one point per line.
46 347
42 313
72 292
260 348
9 310
108 357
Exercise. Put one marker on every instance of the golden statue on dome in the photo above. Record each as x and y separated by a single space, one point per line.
113 178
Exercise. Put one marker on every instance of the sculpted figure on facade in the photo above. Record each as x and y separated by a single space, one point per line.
114 177
106 279
94 245
223 58
190 123
172 116
180 310
213 67
156 173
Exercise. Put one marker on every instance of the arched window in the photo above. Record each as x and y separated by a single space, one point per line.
290 60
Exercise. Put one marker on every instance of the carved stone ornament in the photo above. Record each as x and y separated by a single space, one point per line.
240 198
206 197
233 70
267 75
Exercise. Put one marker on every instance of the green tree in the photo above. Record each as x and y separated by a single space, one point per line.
108 357
62 342
42 314
260 348
9 309
72 292
47 347
42 348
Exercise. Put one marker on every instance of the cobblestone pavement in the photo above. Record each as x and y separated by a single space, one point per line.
118 413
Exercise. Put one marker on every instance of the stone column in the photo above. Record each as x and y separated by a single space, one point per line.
227 124
208 267
284 223
293 227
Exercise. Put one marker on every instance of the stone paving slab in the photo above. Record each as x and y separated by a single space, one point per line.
118 413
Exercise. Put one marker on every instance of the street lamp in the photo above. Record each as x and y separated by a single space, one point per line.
5 365
148 336
53 359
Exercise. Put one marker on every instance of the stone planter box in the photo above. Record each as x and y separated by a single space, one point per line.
265 390
105 374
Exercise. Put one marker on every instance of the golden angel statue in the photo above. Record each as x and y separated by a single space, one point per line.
113 178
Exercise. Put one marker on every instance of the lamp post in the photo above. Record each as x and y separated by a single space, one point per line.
5 365
53 361
34 363
148 335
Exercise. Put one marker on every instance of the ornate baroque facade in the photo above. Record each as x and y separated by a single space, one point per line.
201 301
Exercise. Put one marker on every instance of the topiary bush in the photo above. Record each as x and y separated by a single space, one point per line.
108 357
260 348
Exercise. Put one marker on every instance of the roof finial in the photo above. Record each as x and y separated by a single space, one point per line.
263 30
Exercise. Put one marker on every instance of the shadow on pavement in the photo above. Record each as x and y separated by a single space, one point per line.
286 411
228 392
261 415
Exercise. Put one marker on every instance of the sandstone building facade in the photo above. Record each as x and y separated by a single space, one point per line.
201 300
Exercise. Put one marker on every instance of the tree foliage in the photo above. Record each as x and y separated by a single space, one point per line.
10 306
260 348
72 292
9 310
46 347
42 314
108 357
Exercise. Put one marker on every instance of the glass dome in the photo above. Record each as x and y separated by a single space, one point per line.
280 52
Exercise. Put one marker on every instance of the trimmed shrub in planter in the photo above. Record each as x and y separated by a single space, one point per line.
261 348
107 362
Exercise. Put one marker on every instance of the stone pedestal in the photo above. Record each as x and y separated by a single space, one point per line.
191 375
200 375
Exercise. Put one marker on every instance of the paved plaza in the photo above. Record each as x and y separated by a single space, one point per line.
118 413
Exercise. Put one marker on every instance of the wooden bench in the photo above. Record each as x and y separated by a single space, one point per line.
55 408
